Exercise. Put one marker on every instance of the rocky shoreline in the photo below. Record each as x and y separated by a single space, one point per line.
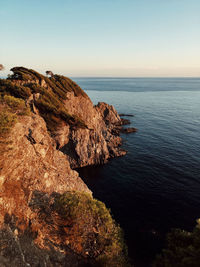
48 127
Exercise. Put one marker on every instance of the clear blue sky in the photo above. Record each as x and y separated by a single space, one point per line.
102 37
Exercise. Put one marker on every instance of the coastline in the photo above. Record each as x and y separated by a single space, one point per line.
52 127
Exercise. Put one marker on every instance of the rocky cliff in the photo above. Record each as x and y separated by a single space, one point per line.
82 131
47 127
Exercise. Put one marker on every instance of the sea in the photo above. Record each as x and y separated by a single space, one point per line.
156 186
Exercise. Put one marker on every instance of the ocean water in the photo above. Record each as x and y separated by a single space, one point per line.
156 186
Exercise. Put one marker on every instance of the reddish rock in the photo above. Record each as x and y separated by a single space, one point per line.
36 165
95 144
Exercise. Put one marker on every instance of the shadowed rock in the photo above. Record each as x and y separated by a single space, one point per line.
48 216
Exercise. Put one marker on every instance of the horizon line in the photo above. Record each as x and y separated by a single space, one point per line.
127 77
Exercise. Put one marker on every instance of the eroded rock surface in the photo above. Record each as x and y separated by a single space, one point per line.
48 127
88 136
96 143
33 163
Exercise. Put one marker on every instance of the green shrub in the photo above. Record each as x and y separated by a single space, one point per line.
46 106
15 105
56 89
35 88
20 91
25 74
183 249
53 111
7 87
7 120
10 109
91 229
67 85
51 101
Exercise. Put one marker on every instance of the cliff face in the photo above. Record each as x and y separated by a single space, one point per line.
47 127
96 143
85 134
33 163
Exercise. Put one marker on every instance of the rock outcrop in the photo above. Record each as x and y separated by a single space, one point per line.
93 142
96 143
48 127
33 163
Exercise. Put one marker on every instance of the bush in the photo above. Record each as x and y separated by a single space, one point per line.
90 229
25 74
67 85
7 120
16 105
51 101
10 109
35 88
183 249
56 89
51 108
7 87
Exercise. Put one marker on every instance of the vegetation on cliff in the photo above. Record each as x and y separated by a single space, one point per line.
58 83
10 108
91 230
7 87
183 249
72 226
52 92
70 229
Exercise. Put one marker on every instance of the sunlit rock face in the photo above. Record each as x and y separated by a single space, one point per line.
86 132
96 143
48 127
33 163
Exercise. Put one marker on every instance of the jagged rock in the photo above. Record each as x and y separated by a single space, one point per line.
21 251
95 144
51 128
128 130
33 163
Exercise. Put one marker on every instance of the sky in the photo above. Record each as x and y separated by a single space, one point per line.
113 38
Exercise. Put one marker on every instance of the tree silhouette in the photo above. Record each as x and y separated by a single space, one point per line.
49 73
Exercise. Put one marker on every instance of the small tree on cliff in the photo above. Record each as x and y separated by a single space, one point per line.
49 73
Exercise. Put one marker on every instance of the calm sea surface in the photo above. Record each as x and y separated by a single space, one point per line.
156 186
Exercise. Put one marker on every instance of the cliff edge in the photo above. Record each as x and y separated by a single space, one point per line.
48 127
82 131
